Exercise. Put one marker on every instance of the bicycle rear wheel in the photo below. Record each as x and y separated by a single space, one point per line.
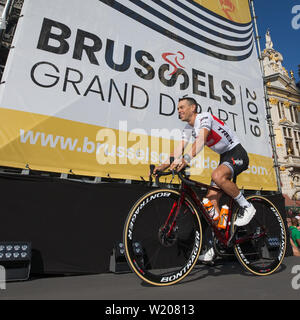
263 241
167 249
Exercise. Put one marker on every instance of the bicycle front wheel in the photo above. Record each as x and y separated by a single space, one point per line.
162 238
261 244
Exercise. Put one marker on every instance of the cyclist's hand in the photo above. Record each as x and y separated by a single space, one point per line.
178 165
160 168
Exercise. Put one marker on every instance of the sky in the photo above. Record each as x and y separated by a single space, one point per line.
277 16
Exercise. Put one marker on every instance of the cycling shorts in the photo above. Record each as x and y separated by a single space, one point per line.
235 159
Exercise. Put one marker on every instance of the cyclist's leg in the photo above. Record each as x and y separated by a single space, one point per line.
207 253
232 163
214 197
222 177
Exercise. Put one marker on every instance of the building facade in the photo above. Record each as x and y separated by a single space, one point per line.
284 101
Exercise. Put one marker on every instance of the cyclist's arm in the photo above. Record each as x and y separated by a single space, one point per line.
197 146
177 154
199 143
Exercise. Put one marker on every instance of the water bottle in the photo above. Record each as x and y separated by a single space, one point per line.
223 217
210 209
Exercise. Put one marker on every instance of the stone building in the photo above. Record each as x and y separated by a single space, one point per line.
284 99
8 27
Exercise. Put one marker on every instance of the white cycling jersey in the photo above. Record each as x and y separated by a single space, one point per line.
220 139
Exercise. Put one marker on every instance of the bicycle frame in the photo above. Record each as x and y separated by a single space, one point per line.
223 237
227 238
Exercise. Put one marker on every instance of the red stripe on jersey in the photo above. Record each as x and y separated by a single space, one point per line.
218 120
213 138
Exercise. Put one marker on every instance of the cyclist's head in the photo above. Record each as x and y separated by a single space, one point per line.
191 102
187 109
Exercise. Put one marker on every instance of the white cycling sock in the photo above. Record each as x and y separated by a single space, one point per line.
242 202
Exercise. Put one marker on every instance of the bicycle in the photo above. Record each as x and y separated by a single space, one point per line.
163 234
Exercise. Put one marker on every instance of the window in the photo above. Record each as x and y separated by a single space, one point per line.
280 108
292 114
295 111
297 141
298 148
289 146
288 138
279 112
284 132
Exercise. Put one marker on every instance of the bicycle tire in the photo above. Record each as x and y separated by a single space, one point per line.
160 262
263 255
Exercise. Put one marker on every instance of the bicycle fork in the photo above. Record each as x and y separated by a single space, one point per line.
173 215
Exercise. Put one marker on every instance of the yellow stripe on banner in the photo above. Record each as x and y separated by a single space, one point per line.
234 10
57 145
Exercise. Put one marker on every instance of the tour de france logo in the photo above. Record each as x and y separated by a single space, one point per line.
228 7
175 64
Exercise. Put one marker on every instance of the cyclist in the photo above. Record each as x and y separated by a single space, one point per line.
208 130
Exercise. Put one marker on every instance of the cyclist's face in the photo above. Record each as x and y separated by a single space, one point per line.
185 110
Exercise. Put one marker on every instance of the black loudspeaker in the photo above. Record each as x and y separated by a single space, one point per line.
118 262
15 260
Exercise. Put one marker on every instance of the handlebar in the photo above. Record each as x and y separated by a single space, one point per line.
180 174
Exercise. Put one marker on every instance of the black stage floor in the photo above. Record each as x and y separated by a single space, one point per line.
224 281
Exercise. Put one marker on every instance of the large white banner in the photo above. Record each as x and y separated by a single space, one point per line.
92 88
